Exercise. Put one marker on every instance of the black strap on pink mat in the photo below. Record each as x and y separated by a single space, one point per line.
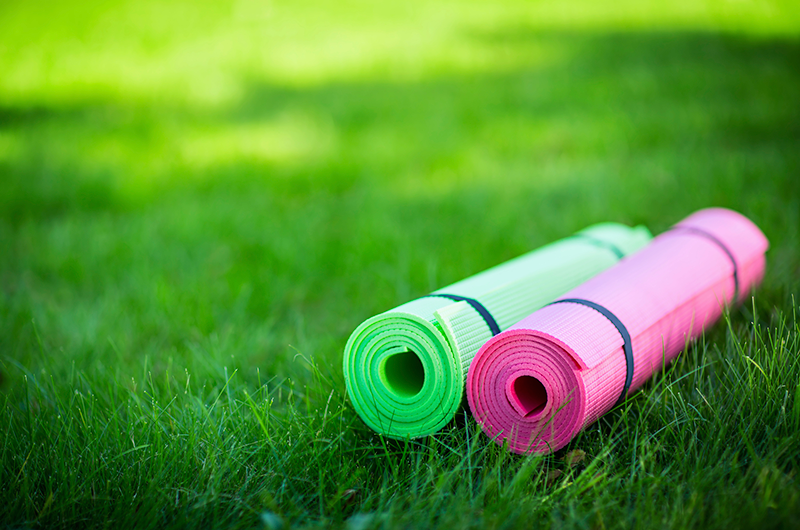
714 239
623 331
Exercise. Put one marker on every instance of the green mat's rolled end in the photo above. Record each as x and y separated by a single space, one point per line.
402 376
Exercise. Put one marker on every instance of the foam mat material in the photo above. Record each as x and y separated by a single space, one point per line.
537 384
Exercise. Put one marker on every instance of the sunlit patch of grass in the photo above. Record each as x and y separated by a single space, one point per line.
290 138
205 52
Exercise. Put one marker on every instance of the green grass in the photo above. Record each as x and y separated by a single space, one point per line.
198 204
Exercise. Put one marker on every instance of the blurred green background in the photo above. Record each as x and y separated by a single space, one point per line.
250 175
190 186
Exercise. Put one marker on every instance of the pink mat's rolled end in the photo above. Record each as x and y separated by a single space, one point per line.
523 388
537 384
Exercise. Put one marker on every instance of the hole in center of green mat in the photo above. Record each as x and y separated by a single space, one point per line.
404 373
531 395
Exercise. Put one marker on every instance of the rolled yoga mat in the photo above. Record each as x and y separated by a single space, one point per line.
405 368
558 370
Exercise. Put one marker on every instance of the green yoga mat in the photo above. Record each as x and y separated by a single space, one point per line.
405 369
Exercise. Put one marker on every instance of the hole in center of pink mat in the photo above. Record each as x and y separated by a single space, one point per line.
404 373
531 395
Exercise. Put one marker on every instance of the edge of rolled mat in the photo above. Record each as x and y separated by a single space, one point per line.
438 380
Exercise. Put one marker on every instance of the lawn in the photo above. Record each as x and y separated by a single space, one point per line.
199 203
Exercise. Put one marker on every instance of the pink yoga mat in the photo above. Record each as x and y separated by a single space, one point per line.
558 370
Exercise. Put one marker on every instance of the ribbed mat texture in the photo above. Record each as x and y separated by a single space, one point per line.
405 368
537 384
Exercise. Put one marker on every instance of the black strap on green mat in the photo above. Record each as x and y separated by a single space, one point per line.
487 316
602 244
482 311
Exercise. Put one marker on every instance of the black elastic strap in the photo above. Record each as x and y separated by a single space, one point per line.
720 244
626 339
602 244
482 311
